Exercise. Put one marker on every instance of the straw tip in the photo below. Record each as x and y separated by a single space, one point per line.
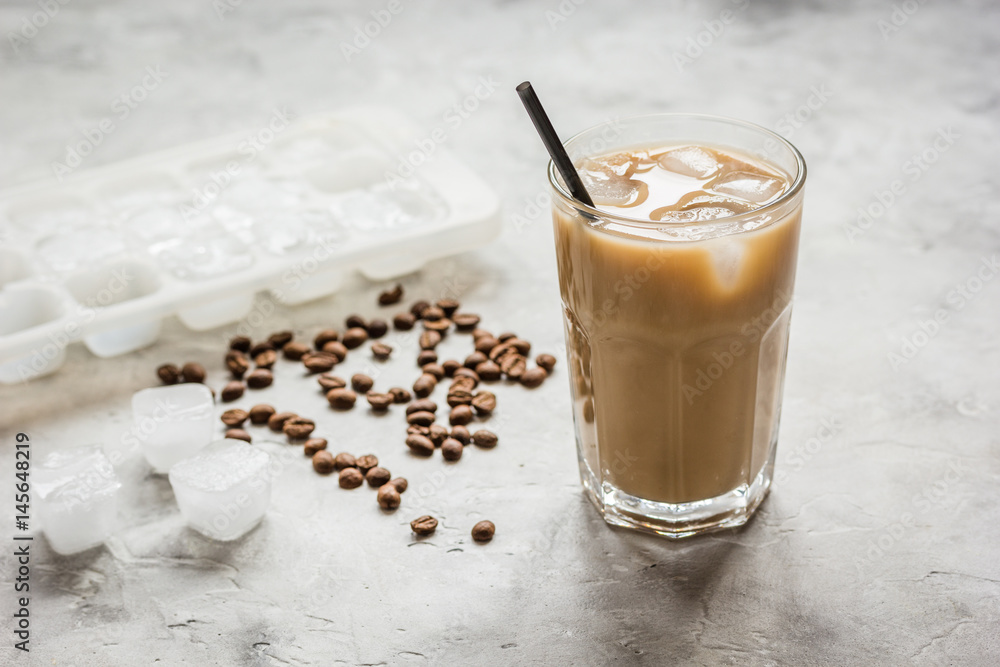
521 87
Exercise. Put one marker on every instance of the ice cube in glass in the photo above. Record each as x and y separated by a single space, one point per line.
172 423
75 498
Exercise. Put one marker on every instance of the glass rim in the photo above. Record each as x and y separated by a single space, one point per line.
798 180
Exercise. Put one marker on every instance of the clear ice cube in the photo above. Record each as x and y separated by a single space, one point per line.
256 194
382 208
755 188
70 249
608 181
689 161
76 498
172 423
206 254
223 491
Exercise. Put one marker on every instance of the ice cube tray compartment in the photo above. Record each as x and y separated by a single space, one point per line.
198 230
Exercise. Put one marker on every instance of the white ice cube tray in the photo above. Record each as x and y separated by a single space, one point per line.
105 255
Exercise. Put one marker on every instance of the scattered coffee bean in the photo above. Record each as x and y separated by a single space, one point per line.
488 371
280 339
400 395
232 391
391 296
377 328
437 433
345 460
416 429
421 405
486 344
460 415
259 414
513 366
506 336
474 360
193 372
234 417
469 374
429 340
237 363
351 478
298 428
379 402
478 333
336 349
483 531
323 462
325 336
448 306
426 357
388 497
458 397
418 308
260 347
169 374
260 378
452 450
435 369
341 398
420 444
420 418
355 322
484 403
462 382
400 483
355 337
361 383
465 321
432 313
276 422
521 345
485 439
240 343
404 321
328 381
500 351
424 385
441 326
546 361
450 366
367 462
313 445
533 377
377 476
238 434
319 362
381 351
424 525
461 434
295 350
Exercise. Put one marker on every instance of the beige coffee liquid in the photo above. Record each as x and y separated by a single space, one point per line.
677 333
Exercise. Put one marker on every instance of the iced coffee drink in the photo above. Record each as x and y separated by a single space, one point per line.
676 288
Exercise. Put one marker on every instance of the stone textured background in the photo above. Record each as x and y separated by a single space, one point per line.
879 542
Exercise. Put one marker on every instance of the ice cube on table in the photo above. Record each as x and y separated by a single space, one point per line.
689 161
76 498
224 490
754 188
172 423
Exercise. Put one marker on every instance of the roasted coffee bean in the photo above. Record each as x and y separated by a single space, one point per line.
323 462
420 444
421 405
266 359
237 363
533 377
313 445
506 336
500 351
295 350
424 525
361 383
478 333
355 322
381 351
462 382
416 429
400 395
240 343
546 361
341 399
485 439
420 418
260 347
379 402
488 371
193 372
483 531
435 369
424 385
429 340
367 462
437 434
418 308
336 349
404 321
391 296
169 374
325 336
486 344
450 366
329 381
260 378
280 339
461 434
458 397
460 415
469 374
514 366
400 483
377 328
474 360
345 460
440 326
451 449
465 321
238 434
259 414
521 345
426 357
432 313
354 337
448 306
232 391
298 428
234 417
484 403
388 497
276 422
377 476
319 362
351 478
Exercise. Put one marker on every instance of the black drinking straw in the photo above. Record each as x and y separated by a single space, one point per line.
552 144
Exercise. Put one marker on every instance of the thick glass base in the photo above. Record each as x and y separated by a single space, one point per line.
678 520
